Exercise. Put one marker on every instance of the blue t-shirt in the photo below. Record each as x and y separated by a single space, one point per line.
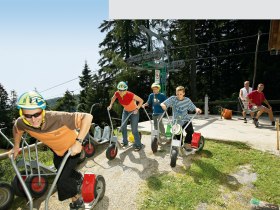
180 108
155 100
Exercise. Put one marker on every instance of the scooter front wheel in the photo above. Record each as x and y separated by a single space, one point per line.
7 196
111 152
174 154
154 144
99 187
16 185
201 143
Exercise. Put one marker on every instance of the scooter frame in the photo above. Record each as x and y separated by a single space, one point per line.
30 168
87 206
155 135
90 142
177 146
114 144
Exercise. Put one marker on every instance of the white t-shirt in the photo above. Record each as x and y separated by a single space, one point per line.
245 92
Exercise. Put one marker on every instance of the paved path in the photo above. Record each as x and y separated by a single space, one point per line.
263 138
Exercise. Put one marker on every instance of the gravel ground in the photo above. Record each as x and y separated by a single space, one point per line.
127 172
123 175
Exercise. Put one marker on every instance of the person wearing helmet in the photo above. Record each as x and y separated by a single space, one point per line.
181 105
130 103
57 130
154 100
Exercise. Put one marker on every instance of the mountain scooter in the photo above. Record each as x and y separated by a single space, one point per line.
114 144
155 137
197 142
92 190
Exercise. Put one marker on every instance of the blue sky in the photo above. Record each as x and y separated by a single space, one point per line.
44 43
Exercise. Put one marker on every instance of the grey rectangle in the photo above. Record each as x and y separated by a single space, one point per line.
195 9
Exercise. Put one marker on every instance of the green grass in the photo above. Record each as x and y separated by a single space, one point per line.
209 172
7 172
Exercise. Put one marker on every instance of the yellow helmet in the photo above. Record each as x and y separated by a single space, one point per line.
155 85
31 100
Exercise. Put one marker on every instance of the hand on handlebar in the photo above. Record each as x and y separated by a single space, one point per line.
144 105
198 111
15 151
76 148
109 107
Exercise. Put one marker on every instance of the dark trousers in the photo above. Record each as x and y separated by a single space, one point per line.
67 182
189 131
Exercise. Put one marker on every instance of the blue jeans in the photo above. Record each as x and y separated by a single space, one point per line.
134 119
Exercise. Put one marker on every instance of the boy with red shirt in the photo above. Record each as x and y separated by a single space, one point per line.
256 98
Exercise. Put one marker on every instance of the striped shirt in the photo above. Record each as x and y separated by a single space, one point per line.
180 108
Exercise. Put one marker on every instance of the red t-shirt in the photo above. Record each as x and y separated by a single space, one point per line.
256 97
127 100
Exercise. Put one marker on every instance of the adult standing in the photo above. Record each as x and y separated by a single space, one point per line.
243 97
131 104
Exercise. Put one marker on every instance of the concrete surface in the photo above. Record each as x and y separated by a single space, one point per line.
262 138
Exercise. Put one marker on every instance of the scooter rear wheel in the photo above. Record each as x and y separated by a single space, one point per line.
36 188
201 143
89 148
99 187
174 154
7 196
111 152
16 185
154 144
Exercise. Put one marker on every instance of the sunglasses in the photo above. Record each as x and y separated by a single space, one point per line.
29 116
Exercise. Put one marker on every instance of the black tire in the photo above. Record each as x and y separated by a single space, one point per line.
174 154
111 152
35 188
154 144
89 148
99 187
7 196
201 143
82 156
16 185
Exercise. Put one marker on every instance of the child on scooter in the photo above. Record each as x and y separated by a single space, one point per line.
154 101
181 105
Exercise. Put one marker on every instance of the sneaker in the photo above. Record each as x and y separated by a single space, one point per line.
245 120
256 122
79 203
137 149
163 138
124 144
273 123
187 147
